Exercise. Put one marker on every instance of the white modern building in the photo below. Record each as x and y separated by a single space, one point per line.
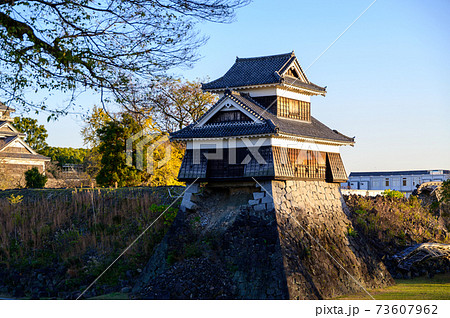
404 181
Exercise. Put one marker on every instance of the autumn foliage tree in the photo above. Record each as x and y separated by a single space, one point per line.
176 103
166 105
114 169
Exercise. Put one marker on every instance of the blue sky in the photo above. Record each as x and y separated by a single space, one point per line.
388 76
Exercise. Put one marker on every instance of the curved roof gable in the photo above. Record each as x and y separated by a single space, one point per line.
263 70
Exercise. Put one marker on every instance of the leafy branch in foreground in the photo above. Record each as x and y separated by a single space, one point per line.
101 45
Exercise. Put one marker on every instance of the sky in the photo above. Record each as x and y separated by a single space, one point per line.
387 76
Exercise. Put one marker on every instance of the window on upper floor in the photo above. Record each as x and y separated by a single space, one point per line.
294 109
229 116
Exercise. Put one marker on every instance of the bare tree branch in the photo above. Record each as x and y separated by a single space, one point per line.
101 45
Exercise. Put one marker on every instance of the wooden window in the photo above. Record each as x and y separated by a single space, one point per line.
302 164
321 168
386 182
404 182
292 108
335 168
307 111
283 107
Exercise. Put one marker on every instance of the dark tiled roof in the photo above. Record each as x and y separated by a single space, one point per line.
224 129
8 132
271 125
23 156
295 82
4 142
395 173
259 71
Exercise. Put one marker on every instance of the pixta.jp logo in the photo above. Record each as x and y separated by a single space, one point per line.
152 145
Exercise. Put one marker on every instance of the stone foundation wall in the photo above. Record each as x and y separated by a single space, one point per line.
13 175
257 234
318 208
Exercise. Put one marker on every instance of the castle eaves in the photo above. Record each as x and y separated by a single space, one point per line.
264 70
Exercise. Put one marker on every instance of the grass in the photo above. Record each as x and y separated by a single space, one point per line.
420 288
80 232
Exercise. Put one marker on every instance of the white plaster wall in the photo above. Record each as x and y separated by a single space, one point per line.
259 141
271 91
294 95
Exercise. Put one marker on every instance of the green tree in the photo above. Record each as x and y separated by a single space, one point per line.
166 105
66 155
36 134
94 122
167 174
101 45
114 169
35 179
113 165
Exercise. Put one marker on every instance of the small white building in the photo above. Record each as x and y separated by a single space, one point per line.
404 181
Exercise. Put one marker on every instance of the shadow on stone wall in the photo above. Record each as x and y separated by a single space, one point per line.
230 248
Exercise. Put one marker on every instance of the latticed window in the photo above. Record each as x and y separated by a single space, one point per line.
229 116
295 109
298 163
335 168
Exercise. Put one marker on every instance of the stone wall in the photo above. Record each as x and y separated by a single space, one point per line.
13 175
316 236
257 234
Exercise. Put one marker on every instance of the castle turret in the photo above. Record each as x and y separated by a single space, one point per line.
270 189
262 127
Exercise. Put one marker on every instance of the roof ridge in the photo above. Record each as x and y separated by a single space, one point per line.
264 56
228 123
288 62
233 96
250 99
